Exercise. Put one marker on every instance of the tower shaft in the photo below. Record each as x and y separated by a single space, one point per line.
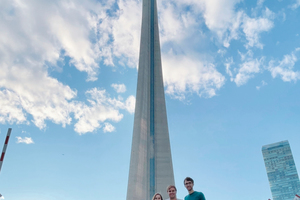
151 168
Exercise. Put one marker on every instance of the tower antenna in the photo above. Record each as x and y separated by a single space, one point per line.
4 147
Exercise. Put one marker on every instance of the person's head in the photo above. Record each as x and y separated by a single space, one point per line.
189 183
171 190
157 196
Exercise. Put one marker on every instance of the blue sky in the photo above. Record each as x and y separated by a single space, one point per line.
68 73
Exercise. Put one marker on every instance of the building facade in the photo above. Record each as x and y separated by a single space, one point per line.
151 168
281 170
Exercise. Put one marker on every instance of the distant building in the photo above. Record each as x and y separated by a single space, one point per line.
281 170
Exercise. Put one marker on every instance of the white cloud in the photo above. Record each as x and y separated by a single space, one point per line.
10 108
125 30
38 31
32 91
253 27
295 5
184 74
34 36
130 104
219 15
285 67
260 2
173 24
250 66
44 98
228 63
102 108
108 128
222 52
263 83
186 69
25 140
120 88
247 69
228 23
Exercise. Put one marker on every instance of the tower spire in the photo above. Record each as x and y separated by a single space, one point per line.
151 168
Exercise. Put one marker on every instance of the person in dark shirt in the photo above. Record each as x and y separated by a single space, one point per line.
193 195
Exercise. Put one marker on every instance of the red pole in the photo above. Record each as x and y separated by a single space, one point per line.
4 147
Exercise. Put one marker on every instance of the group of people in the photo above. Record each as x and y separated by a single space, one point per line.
189 184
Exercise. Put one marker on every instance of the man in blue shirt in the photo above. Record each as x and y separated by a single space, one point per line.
193 195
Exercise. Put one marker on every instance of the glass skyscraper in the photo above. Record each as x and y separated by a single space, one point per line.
281 170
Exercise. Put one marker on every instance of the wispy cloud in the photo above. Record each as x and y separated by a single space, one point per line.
263 83
101 108
295 5
285 68
228 65
227 23
45 98
108 128
250 66
35 35
186 68
25 140
219 16
10 108
124 27
184 74
247 68
35 93
253 27
40 32
130 104
260 2
120 88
